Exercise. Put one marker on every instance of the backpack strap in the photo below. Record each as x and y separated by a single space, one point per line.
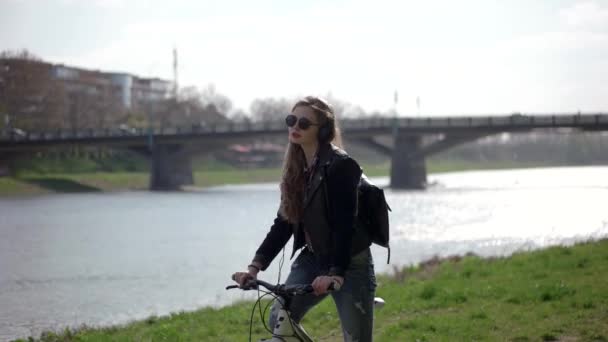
327 202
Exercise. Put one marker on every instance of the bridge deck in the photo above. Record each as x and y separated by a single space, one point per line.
377 125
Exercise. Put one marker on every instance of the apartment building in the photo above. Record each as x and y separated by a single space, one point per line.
129 91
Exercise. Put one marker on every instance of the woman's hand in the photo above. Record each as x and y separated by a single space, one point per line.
321 284
243 277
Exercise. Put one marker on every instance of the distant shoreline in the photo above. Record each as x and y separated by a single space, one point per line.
90 182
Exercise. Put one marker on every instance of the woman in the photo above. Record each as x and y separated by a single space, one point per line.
318 207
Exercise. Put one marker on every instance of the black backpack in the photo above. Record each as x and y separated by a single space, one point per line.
372 212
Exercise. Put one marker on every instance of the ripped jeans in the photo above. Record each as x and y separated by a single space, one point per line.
354 301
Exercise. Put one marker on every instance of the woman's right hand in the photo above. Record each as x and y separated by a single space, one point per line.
243 277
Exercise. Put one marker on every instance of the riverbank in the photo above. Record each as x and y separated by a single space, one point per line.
555 294
42 183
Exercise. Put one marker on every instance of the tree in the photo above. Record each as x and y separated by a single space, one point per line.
269 109
28 93
85 111
345 109
239 116
210 96
206 97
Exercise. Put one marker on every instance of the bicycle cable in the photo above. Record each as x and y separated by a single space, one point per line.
258 303
263 315
281 265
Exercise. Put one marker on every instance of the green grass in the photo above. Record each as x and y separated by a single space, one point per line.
556 294
72 182
111 181
42 178
234 176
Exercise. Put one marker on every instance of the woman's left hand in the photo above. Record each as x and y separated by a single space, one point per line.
321 284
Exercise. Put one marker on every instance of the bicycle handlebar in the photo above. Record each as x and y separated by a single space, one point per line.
279 289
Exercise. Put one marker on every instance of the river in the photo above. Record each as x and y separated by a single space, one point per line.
108 258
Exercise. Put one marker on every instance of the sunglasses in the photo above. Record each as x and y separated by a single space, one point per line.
303 123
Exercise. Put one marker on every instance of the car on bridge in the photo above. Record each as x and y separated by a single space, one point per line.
124 128
16 133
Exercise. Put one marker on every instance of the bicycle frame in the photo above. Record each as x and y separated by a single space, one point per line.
286 330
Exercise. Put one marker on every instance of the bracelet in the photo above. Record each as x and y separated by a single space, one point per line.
335 278
254 266
337 284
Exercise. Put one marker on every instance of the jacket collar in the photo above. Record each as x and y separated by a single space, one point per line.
325 153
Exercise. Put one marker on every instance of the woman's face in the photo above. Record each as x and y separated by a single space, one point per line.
304 136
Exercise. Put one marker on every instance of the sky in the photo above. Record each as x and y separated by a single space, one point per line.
456 57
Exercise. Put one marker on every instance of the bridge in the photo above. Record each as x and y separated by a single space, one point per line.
411 140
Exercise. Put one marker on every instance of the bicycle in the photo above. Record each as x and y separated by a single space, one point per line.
286 329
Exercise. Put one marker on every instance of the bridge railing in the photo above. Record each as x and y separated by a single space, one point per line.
515 120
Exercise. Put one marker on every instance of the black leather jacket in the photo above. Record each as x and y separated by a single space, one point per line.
330 206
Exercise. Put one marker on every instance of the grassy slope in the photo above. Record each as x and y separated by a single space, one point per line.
560 293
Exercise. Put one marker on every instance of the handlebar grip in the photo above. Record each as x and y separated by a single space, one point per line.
247 286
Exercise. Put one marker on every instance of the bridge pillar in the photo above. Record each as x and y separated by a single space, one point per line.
171 167
7 160
408 167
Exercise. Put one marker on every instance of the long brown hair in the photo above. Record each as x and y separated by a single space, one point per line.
294 162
